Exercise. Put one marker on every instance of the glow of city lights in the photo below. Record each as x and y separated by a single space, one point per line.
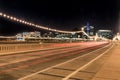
4 15
11 17
1 14
14 18
35 25
8 17
119 23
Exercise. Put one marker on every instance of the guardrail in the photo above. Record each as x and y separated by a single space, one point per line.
26 47
18 47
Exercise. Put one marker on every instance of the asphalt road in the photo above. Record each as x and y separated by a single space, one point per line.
53 64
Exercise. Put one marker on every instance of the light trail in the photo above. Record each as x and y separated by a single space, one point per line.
76 71
51 58
28 76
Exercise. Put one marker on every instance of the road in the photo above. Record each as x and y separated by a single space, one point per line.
68 63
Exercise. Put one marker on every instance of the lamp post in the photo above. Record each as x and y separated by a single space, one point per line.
82 29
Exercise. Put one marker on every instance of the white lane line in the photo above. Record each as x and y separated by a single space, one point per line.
72 74
60 64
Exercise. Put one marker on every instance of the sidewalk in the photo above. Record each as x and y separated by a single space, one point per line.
111 69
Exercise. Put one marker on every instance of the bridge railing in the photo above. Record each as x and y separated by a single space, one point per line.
5 48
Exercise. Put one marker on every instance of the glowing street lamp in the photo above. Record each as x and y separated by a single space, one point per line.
35 25
4 15
82 29
1 14
8 17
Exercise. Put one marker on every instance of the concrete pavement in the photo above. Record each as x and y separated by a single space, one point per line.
111 69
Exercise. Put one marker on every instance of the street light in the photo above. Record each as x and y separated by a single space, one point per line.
82 29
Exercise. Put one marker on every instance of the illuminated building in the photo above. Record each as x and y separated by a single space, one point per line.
28 35
89 29
105 34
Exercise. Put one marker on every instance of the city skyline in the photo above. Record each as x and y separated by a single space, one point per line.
62 15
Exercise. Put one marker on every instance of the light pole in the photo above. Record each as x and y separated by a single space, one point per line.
82 29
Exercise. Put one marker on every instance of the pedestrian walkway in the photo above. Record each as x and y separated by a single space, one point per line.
111 69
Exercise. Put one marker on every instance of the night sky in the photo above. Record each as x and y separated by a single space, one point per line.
60 14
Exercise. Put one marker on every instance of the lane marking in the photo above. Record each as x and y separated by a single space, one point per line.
72 74
40 61
61 63
45 55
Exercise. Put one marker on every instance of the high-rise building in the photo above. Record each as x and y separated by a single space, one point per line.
105 34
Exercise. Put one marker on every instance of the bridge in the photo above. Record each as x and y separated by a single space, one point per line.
58 58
